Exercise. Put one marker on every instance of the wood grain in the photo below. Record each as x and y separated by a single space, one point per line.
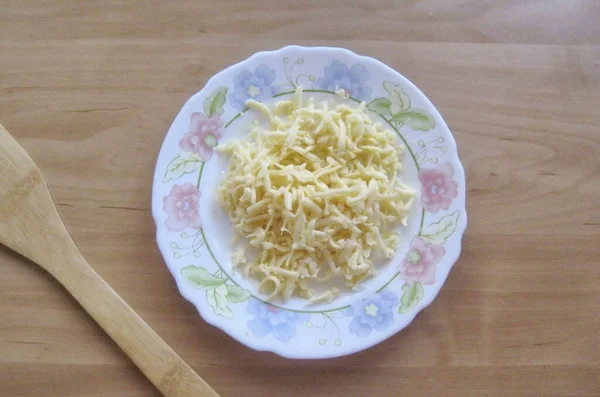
90 89
30 226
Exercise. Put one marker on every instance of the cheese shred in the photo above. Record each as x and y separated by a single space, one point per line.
314 194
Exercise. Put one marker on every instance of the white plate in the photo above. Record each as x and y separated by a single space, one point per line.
194 234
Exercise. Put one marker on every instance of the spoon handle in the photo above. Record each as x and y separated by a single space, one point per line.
31 226
161 365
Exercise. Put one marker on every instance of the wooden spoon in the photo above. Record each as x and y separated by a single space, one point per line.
31 226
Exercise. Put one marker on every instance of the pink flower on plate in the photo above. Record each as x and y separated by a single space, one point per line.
419 264
203 136
438 188
182 207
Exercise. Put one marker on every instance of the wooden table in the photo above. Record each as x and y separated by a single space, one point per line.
90 88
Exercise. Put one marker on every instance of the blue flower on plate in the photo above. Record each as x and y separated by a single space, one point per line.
352 80
255 85
269 319
375 311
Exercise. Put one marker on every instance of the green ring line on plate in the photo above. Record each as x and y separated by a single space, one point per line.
237 116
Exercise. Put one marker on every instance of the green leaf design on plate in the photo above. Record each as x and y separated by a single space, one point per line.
213 104
417 119
200 278
217 299
411 295
397 97
236 294
380 105
439 232
182 165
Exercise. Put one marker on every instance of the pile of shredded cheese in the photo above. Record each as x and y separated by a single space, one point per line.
314 194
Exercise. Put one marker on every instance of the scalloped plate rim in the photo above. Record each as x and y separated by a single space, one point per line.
254 344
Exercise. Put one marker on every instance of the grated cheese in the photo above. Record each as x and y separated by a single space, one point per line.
314 195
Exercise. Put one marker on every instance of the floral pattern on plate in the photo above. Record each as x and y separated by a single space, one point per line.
255 85
437 187
353 79
415 276
268 319
204 134
181 207
376 312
